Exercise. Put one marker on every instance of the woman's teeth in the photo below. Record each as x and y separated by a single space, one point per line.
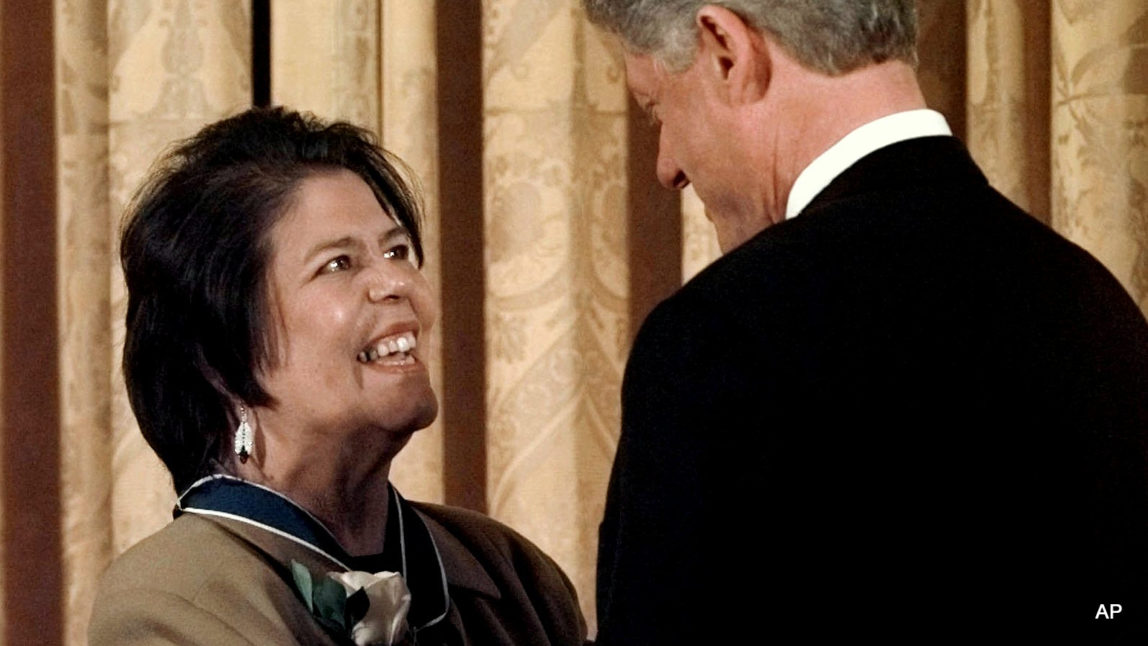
398 347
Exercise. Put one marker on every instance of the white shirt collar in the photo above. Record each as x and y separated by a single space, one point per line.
855 145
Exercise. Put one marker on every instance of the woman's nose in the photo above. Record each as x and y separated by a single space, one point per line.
399 282
387 282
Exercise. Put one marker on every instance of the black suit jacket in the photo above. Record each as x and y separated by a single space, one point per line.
911 412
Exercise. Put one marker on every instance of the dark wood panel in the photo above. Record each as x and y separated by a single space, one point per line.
261 53
459 44
943 60
31 421
655 223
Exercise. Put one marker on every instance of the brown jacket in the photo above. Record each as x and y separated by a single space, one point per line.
219 581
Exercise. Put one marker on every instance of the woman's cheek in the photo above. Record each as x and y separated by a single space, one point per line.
424 303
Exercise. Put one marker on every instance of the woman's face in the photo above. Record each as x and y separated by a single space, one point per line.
352 313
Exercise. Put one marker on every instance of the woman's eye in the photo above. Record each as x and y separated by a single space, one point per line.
398 252
336 264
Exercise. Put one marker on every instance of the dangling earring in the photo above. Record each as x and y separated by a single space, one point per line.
244 438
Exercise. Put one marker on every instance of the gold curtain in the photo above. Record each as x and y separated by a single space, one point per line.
1100 130
544 235
132 76
85 326
1008 98
373 64
557 292
1058 117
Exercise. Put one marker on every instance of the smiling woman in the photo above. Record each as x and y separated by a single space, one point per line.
351 305
275 307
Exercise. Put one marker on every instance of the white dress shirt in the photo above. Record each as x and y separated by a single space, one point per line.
855 145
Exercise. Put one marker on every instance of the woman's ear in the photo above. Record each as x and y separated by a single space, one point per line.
735 53
212 376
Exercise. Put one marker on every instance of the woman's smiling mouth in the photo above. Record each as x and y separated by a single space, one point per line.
393 350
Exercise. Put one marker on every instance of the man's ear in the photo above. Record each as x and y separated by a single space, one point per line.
735 52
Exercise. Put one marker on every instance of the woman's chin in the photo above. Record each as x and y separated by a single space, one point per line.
420 412
427 414
407 402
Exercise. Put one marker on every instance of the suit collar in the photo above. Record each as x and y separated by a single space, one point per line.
925 161
872 136
929 163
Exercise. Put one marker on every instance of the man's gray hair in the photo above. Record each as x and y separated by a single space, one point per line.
831 36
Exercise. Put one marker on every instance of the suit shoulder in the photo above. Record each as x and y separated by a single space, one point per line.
197 581
722 301
181 556
190 581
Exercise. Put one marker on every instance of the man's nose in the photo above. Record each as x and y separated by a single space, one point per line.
670 174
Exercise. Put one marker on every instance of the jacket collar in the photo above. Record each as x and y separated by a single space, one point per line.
462 568
924 162
877 134
228 497
428 557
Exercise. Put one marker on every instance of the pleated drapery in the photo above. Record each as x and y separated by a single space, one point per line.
1008 98
131 78
547 239
554 163
1100 134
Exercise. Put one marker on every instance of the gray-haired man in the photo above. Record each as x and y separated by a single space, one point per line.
898 406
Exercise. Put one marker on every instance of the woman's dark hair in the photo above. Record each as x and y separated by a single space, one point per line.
195 248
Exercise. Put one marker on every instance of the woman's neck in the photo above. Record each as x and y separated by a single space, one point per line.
343 484
355 514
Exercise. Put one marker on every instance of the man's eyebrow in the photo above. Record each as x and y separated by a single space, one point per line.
647 106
